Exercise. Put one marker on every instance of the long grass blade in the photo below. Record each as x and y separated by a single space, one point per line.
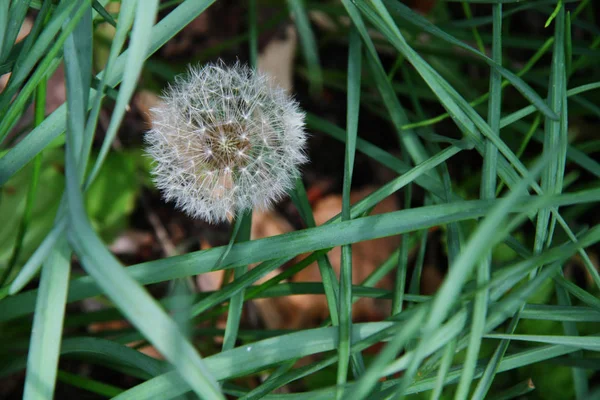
44 348
352 112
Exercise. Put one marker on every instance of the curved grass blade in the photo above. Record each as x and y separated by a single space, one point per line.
136 304
103 13
98 350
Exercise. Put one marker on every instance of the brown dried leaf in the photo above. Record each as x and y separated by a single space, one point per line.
277 58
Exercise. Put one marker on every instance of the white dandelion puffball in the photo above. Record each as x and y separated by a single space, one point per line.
224 140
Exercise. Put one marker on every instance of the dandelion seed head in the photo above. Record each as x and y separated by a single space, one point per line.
224 140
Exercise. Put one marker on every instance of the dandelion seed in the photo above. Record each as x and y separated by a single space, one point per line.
206 116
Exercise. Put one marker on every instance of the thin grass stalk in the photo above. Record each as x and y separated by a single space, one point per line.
488 187
236 304
345 299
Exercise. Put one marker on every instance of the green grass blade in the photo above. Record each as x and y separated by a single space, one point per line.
443 370
500 311
253 32
474 30
78 74
488 191
556 139
402 264
48 64
89 385
4 8
47 328
54 125
136 54
103 13
553 174
578 292
241 283
591 343
407 137
33 264
511 362
308 42
97 350
330 284
237 301
126 16
493 365
561 313
580 379
44 348
16 16
26 47
328 278
40 106
522 113
366 383
526 68
432 78
516 391
352 112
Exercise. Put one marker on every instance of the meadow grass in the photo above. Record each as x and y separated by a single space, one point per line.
473 338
